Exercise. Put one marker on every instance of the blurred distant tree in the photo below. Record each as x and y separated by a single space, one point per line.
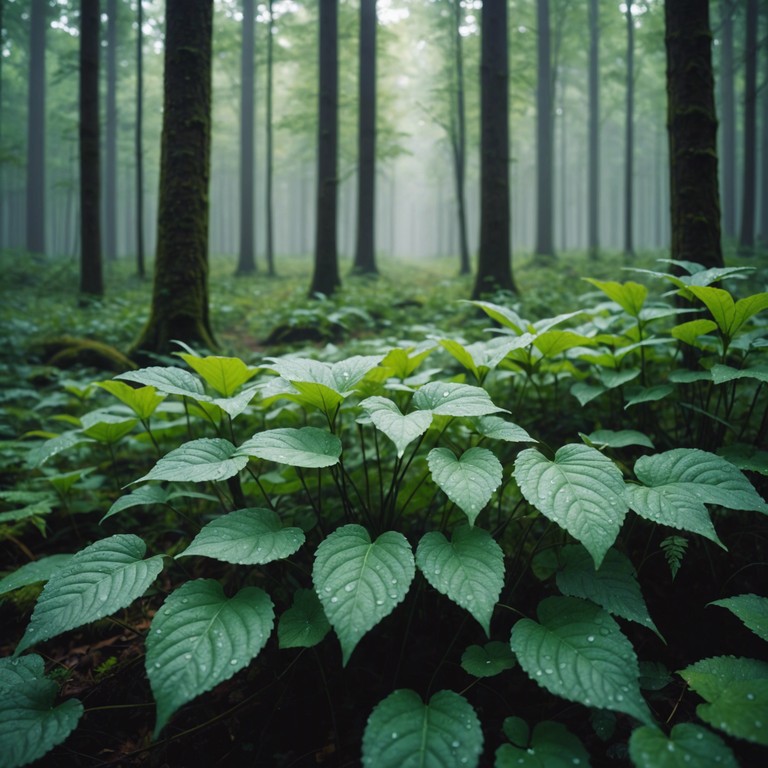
269 213
494 269
747 229
365 252
179 308
629 137
246 264
325 279
38 23
139 143
91 280
593 190
694 193
727 115
110 172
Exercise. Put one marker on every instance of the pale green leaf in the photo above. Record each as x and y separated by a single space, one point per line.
102 578
246 537
630 296
552 745
689 332
722 374
581 490
167 379
505 316
451 399
404 732
359 582
621 438
650 394
106 427
612 586
199 638
34 572
304 624
143 401
577 651
686 745
487 660
224 374
468 569
585 392
308 447
31 724
40 454
751 609
199 461
401 430
497 428
469 480
554 342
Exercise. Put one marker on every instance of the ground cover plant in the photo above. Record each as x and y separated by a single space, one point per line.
537 541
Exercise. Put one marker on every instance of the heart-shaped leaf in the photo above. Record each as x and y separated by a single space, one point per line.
106 427
401 430
359 582
199 461
308 447
469 569
709 677
246 537
469 481
751 609
578 652
487 660
581 490
199 638
552 745
451 399
687 744
304 624
404 731
102 578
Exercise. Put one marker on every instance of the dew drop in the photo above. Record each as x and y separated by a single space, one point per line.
437 571
393 595
445 394
576 761
334 599
670 746
750 696
187 656
233 662
394 734
327 589
455 744
590 638
158 631
349 587
157 665
379 602
185 600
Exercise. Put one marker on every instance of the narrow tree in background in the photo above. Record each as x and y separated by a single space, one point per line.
269 214
692 123
544 134
747 230
36 128
91 280
763 226
139 143
325 278
246 263
180 295
494 268
727 118
365 251
593 189
629 138
110 172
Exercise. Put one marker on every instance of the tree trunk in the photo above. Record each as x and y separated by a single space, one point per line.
139 144
110 176
727 118
544 143
180 296
692 122
91 281
365 251
747 231
763 227
325 279
460 142
629 138
494 269
246 264
269 223
36 129
593 189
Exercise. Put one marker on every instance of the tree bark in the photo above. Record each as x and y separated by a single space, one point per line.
692 125
35 218
365 251
91 280
269 215
494 269
246 264
727 118
747 230
179 308
325 279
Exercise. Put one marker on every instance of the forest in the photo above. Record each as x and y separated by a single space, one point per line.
385 383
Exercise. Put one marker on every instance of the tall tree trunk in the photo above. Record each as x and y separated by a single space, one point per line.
593 189
180 295
763 227
365 251
692 122
36 129
747 230
110 177
544 130
629 138
727 118
269 223
494 268
459 142
326 278
91 281
246 264
139 143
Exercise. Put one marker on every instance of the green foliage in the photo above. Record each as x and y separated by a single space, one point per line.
396 504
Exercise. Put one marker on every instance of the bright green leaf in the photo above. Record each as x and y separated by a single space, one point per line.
469 569
629 296
359 582
308 447
143 401
404 732
107 428
224 374
401 430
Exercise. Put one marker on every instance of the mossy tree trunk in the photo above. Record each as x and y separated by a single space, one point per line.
180 296
692 125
